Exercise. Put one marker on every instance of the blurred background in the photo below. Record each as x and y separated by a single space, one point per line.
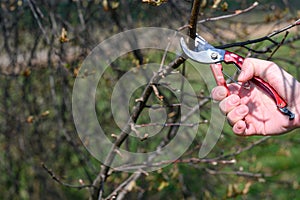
43 43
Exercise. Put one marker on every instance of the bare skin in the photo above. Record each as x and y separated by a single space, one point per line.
252 111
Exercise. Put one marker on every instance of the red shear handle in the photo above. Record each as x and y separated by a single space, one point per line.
230 57
218 75
217 72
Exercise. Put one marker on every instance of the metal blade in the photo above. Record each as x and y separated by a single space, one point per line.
205 53
201 44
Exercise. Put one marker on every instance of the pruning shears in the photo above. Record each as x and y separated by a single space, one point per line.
206 53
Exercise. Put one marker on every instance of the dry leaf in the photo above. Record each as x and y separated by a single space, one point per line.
162 185
171 114
81 181
247 187
224 6
115 5
216 3
63 36
30 119
27 72
105 5
203 4
76 71
46 113
131 185
145 137
156 92
154 2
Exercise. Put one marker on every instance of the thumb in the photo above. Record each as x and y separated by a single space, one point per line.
283 82
264 69
247 70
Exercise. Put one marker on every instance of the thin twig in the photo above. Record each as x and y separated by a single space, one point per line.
278 46
163 106
261 39
214 161
120 190
192 160
171 124
166 51
35 14
241 150
237 12
237 173
54 177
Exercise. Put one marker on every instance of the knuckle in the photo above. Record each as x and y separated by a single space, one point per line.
236 114
229 103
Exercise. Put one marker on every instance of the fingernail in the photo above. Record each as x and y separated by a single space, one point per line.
234 100
241 76
222 93
239 128
242 110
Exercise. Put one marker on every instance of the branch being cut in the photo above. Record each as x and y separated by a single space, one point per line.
193 19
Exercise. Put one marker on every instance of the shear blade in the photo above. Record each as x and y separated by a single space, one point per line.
208 55
201 44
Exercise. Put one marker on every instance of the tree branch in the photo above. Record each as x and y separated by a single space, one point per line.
54 177
238 173
237 12
193 19
101 178
267 37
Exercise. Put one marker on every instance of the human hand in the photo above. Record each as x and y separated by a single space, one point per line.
251 111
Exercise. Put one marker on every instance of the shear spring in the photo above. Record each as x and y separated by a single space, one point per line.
245 85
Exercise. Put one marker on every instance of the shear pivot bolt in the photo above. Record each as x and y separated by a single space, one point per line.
214 56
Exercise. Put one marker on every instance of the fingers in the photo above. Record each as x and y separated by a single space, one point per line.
236 119
283 82
237 114
232 107
239 127
229 103
242 129
219 93
247 71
